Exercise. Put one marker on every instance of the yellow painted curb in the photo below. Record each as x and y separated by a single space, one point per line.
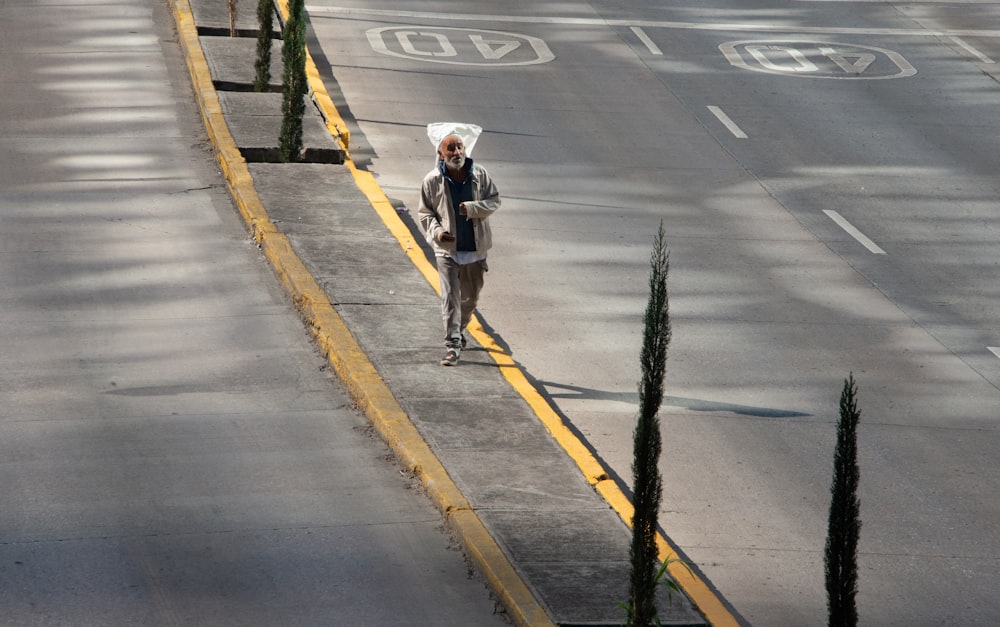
493 562
362 380
707 602
334 123
228 155
703 597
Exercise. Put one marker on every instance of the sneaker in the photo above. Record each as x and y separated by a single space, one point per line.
464 341
450 358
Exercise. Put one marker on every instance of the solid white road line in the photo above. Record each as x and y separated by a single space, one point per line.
644 38
995 350
910 1
854 232
733 128
756 27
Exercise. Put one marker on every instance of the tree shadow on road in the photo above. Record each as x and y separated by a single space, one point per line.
693 404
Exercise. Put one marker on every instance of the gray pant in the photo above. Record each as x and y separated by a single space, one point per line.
460 286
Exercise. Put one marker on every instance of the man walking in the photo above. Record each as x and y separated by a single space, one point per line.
457 199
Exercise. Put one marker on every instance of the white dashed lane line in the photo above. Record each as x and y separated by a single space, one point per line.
854 232
733 128
644 38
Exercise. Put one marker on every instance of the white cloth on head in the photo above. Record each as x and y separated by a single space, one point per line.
469 133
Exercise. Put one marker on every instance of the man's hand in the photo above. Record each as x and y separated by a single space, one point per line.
447 237
462 210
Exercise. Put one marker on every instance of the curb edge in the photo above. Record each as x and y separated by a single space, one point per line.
705 600
359 375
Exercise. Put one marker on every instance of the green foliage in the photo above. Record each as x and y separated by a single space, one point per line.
294 87
647 484
657 334
844 527
660 578
262 66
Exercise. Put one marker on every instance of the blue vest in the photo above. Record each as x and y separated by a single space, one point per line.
465 232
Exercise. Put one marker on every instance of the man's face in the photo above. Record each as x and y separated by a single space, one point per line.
452 151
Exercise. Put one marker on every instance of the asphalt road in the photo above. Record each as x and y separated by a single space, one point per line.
173 449
826 175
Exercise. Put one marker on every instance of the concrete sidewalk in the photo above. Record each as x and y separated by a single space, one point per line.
540 523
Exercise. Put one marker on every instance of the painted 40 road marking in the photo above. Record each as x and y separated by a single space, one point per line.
817 59
459 46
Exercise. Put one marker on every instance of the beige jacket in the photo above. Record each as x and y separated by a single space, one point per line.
436 214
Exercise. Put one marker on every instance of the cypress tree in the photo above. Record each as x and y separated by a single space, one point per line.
265 20
648 488
844 527
293 106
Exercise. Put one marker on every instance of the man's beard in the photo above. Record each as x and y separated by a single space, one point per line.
457 162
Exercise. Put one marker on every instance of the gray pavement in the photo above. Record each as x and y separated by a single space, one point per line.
173 450
563 539
773 302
